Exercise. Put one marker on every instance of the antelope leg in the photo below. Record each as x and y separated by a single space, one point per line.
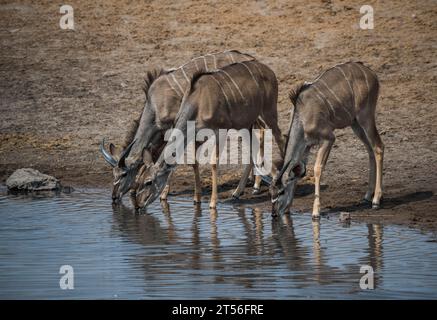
257 184
242 184
378 151
322 157
379 155
166 190
214 192
361 134
197 184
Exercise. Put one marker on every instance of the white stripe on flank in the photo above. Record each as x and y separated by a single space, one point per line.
185 75
215 61
323 98
320 75
250 71
256 67
338 100
232 58
206 65
177 82
192 60
223 91
235 84
318 96
195 63
209 54
171 86
367 83
228 84
349 84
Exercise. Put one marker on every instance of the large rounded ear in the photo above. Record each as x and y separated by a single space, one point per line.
299 170
124 154
147 157
112 149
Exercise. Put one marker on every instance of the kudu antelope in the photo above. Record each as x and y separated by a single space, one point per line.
149 160
232 97
344 95
164 91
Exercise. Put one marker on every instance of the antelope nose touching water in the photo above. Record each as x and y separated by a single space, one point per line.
234 90
143 143
233 97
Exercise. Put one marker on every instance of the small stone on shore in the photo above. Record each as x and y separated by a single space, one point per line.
28 179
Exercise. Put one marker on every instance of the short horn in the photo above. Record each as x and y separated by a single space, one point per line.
108 157
125 153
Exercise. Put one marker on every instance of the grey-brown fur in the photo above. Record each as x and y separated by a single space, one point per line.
164 91
232 97
344 95
150 77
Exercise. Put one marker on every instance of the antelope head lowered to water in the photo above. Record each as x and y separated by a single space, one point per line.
123 175
232 97
164 91
126 176
342 96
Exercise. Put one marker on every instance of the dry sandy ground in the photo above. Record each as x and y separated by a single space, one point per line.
61 91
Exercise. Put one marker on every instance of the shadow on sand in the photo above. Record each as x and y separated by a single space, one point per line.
386 203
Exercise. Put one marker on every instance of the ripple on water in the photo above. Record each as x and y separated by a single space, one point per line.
184 251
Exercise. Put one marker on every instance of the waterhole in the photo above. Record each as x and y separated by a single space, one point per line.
177 250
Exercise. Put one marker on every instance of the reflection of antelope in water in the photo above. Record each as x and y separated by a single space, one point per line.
285 238
375 257
144 229
342 96
214 235
204 249
253 230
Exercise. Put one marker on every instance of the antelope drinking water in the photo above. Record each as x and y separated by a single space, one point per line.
232 97
344 95
164 91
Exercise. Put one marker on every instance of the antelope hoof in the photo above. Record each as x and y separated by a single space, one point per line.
376 206
368 196
236 194
256 191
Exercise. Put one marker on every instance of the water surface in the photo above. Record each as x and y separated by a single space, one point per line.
182 251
